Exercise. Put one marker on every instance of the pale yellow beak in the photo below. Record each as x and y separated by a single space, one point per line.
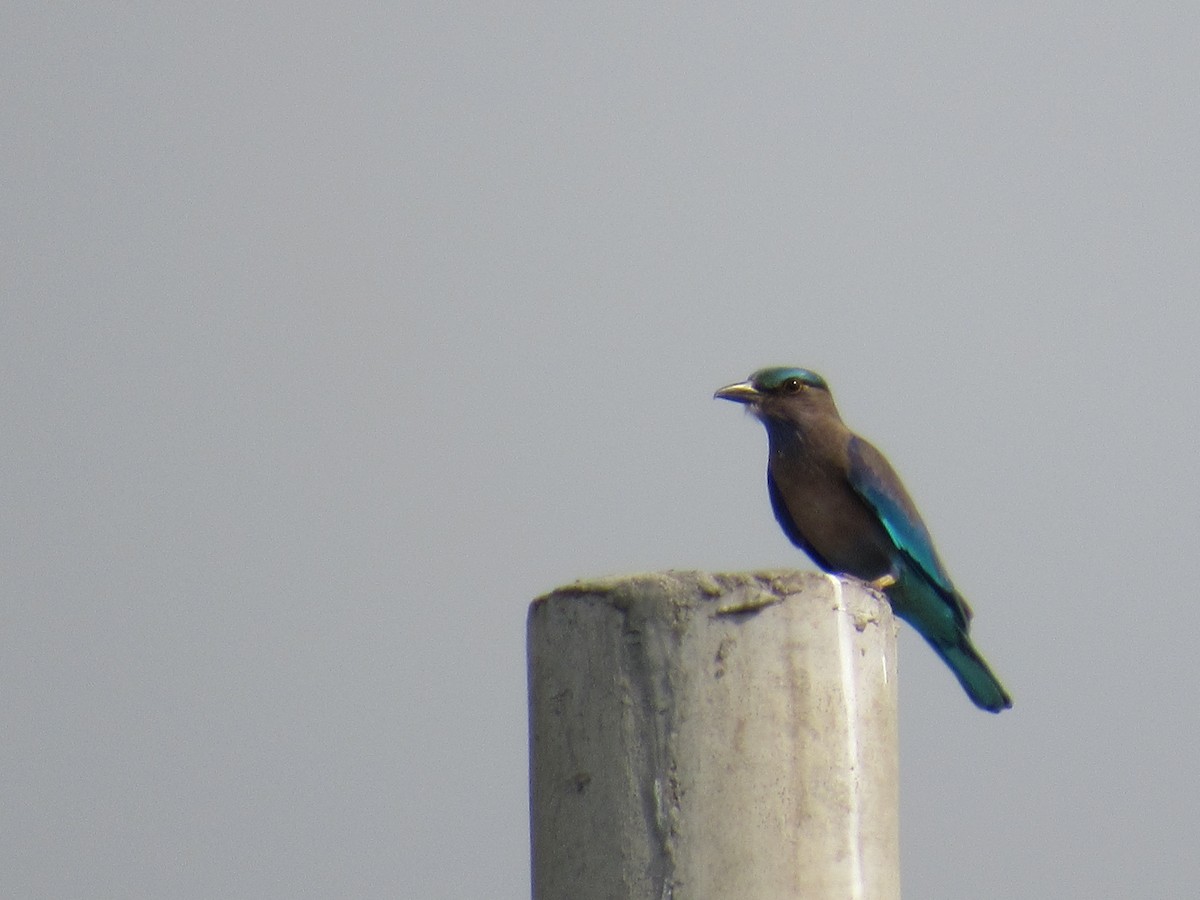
742 392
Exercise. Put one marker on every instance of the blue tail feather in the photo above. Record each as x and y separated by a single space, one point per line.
973 674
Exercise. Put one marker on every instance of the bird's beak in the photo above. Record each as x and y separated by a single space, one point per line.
742 392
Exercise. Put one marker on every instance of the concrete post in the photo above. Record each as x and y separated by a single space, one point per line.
709 737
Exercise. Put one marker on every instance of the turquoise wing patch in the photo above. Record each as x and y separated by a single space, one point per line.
873 479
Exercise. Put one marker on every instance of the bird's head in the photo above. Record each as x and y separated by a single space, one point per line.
782 394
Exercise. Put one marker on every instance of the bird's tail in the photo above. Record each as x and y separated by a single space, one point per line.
942 617
981 685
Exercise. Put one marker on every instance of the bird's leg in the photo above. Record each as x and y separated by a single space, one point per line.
883 582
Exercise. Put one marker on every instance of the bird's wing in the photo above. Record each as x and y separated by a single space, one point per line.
873 479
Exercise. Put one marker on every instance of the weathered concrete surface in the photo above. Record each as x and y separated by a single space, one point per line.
701 737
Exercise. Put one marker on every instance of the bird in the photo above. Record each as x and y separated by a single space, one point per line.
839 500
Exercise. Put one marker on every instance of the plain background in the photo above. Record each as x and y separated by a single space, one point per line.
333 334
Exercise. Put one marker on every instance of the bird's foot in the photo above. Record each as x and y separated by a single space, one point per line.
883 582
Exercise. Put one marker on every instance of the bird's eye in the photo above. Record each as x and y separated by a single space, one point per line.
792 386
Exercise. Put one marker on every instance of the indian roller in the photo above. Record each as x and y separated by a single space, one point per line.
839 500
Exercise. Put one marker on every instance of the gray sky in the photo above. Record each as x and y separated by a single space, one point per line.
331 338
